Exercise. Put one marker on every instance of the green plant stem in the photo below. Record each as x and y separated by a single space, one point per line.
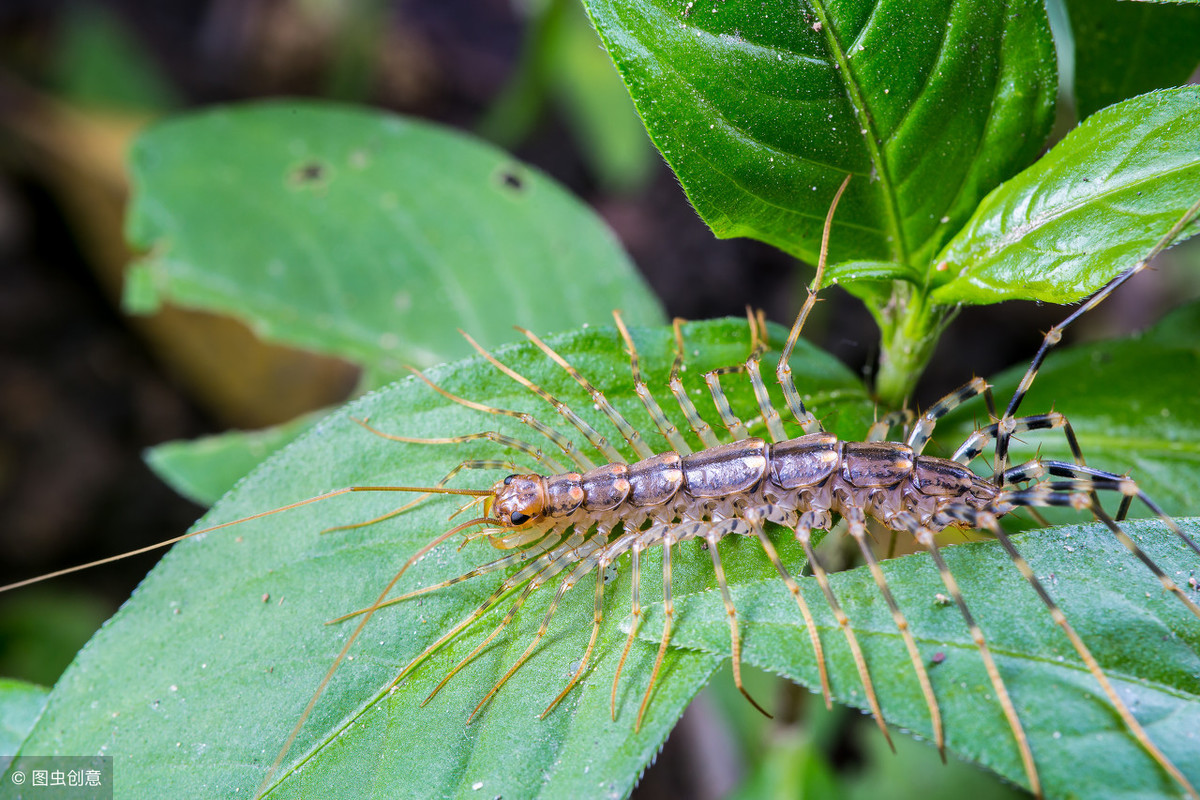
910 327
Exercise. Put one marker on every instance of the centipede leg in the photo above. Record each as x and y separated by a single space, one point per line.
804 536
635 613
665 426
768 547
668 618
1134 727
857 525
927 540
597 618
712 536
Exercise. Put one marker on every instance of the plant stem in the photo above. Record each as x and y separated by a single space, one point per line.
910 327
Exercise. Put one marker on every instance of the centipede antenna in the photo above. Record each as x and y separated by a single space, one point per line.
783 371
395 512
628 432
593 436
174 540
1054 335
569 448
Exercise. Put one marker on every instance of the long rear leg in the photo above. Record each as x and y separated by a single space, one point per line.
989 522
1054 335
699 427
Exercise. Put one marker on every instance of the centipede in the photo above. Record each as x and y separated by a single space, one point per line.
575 507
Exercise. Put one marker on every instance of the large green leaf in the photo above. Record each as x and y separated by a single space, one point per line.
1124 49
762 108
1085 212
366 235
197 681
20 705
1147 642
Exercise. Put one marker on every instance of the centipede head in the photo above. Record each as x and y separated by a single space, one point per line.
519 500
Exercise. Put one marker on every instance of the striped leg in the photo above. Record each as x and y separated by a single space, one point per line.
924 428
591 434
699 427
988 521
857 523
808 521
664 425
628 432
1054 335
926 539
713 378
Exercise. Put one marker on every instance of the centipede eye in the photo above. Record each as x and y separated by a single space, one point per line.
518 518
509 479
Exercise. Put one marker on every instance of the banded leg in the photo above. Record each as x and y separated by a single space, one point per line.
878 432
635 613
535 552
668 618
504 440
754 517
980 439
664 425
713 379
699 427
582 462
1081 492
783 370
924 428
593 436
1054 335
564 586
712 533
628 432
926 539
804 536
857 524
597 618
988 521
564 556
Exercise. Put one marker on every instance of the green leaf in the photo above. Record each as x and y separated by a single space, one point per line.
762 109
1147 642
1124 49
1088 210
20 705
367 236
197 681
204 469
1102 389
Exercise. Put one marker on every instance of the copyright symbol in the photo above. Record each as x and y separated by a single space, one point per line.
18 778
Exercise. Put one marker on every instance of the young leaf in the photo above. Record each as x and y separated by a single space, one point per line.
762 108
1089 209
